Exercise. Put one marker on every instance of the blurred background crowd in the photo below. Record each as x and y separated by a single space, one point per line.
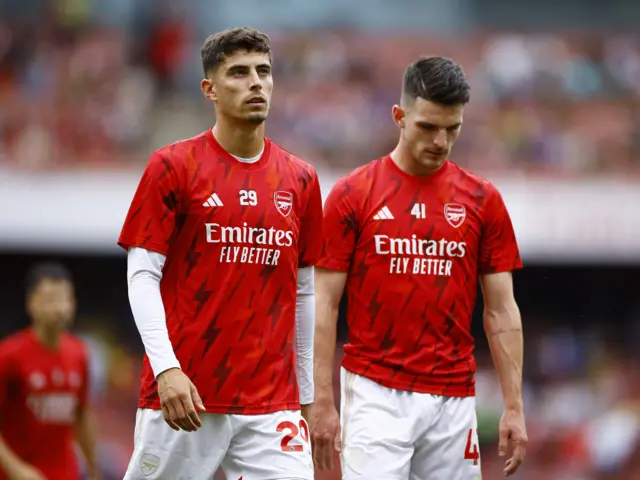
92 87
76 92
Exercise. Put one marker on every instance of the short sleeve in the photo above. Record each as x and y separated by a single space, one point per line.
498 247
341 226
151 219
310 239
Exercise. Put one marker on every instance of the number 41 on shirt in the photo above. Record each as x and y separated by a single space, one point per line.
419 210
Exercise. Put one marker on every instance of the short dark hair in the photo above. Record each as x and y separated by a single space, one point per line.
41 271
221 45
437 79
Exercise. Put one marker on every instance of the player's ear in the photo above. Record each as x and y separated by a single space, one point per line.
208 89
398 115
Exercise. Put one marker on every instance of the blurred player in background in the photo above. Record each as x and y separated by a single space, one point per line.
43 387
222 235
408 235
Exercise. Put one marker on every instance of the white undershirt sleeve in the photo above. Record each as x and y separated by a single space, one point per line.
304 330
144 272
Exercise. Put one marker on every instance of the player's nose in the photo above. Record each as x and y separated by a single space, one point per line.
256 81
440 139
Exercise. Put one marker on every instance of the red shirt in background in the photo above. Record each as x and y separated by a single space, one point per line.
41 394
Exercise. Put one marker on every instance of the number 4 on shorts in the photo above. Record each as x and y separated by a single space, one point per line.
471 450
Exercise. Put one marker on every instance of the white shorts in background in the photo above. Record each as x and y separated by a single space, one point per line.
392 434
274 446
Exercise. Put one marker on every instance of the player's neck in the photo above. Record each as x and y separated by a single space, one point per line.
240 140
405 162
47 337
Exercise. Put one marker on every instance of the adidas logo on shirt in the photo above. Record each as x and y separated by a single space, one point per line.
383 214
213 201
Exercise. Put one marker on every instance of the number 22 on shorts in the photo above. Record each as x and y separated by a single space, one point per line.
292 432
471 449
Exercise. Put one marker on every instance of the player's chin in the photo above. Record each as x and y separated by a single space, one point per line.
256 118
432 160
58 326
64 325
63 321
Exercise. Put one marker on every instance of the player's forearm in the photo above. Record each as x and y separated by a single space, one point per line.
304 334
144 272
9 461
503 328
86 439
325 347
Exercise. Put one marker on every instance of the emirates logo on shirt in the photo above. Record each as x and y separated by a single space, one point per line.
217 233
419 256
261 246
54 408
284 202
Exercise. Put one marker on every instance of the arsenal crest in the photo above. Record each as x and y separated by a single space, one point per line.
455 214
149 464
284 202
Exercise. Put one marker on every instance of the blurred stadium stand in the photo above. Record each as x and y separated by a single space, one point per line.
88 89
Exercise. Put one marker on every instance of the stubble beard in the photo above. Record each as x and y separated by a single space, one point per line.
257 118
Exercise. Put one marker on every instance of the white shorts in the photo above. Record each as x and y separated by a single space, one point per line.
252 447
392 434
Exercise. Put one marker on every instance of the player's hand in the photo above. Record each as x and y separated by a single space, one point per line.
325 434
180 400
513 439
25 472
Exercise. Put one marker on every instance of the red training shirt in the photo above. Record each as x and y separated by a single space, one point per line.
413 248
234 235
41 393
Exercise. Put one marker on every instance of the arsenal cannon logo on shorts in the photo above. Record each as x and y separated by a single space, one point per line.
455 214
284 202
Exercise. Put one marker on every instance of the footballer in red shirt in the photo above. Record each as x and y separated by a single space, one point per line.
222 235
43 387
408 236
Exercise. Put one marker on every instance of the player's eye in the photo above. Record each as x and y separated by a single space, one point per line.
238 72
263 70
